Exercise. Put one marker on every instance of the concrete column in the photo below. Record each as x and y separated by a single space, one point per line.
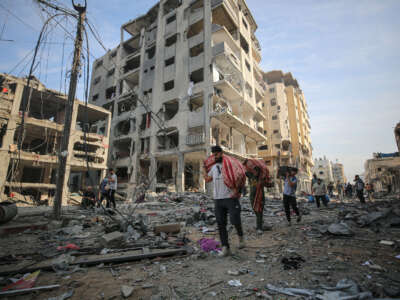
66 189
152 173
201 177
180 177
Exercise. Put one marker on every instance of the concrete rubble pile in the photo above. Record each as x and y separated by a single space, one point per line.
166 248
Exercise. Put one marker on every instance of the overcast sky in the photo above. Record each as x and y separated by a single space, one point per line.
344 53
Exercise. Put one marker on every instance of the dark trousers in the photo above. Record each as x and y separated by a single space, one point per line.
111 198
102 197
290 201
320 198
223 207
360 195
259 215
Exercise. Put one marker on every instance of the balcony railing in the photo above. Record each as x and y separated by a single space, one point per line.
195 139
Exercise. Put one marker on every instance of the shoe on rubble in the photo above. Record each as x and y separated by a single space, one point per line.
242 243
225 252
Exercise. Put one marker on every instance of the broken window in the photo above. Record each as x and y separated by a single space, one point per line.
96 80
244 44
164 171
169 85
171 40
247 65
145 121
171 108
122 174
195 29
170 61
197 76
278 146
171 5
262 104
126 105
122 128
111 72
132 64
245 24
113 54
272 90
263 147
196 103
171 19
122 148
275 117
275 131
273 102
110 92
151 52
99 64
196 50
95 97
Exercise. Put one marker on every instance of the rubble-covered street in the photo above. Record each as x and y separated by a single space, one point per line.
344 251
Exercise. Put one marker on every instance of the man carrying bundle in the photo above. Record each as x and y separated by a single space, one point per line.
258 175
228 177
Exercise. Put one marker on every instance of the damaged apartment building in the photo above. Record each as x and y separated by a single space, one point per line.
287 127
30 171
184 77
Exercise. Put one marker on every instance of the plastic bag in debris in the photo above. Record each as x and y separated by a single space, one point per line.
26 282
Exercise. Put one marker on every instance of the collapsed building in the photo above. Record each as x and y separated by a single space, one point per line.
184 77
383 170
287 127
31 169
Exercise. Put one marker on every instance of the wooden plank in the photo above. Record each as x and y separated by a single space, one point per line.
91 260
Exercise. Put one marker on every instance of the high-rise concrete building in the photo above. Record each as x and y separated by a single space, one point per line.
338 173
31 169
194 66
323 169
287 126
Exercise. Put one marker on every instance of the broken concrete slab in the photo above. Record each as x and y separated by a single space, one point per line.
126 291
340 229
113 238
167 228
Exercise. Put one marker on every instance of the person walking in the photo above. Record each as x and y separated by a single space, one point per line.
289 195
359 186
349 190
104 191
112 183
226 201
319 192
370 190
340 191
330 189
89 198
257 173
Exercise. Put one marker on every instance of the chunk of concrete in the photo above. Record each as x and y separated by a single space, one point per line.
126 291
112 238
168 228
340 229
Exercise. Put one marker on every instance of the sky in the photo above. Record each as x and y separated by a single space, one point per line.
345 55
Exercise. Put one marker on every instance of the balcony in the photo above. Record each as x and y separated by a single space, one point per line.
259 88
224 9
195 139
228 90
233 121
222 52
259 115
220 34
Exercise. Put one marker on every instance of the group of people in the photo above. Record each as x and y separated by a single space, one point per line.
226 200
320 191
107 189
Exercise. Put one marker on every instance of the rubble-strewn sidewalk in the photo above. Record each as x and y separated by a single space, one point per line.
345 251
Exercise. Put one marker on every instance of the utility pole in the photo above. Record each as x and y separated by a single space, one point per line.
63 155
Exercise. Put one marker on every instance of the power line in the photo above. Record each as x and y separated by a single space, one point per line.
18 18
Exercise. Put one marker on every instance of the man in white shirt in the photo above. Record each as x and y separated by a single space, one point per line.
319 192
224 203
112 183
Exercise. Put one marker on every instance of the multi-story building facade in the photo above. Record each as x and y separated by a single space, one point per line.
287 127
184 77
31 170
383 170
323 169
338 173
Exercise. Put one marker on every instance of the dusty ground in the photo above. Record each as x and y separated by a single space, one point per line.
328 259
